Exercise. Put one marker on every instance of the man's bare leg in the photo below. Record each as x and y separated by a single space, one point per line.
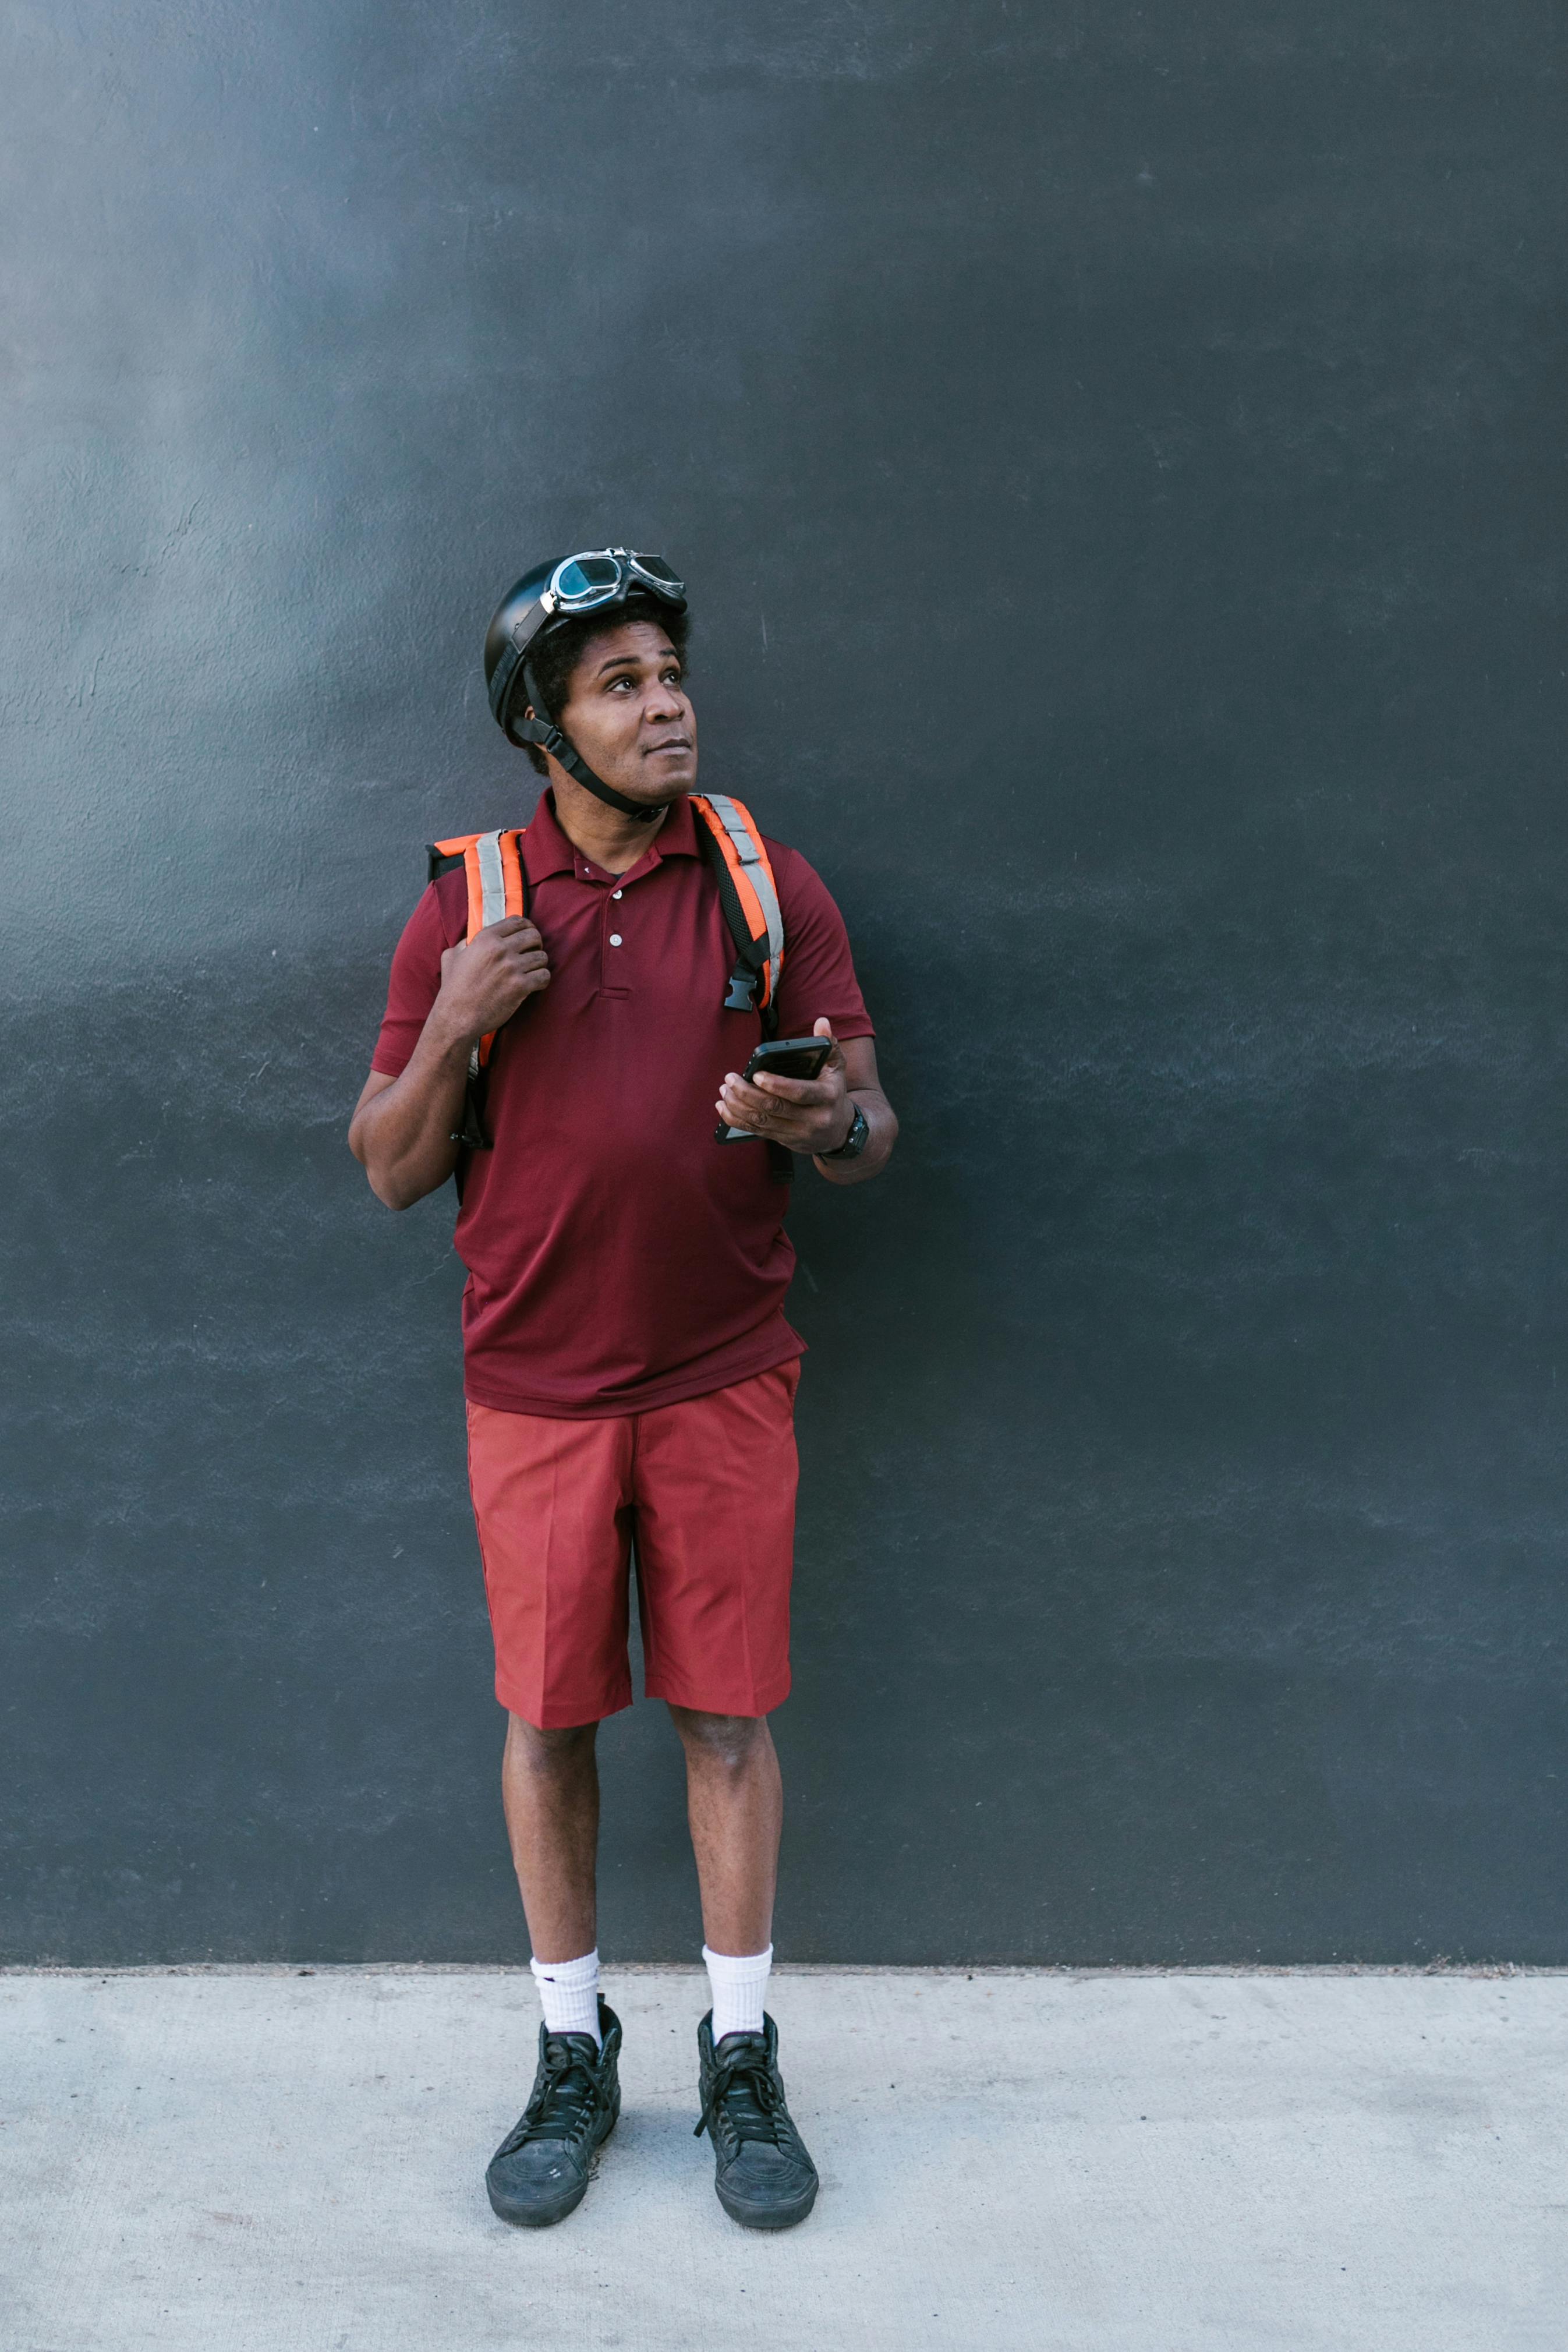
762 2171
735 1803
549 1787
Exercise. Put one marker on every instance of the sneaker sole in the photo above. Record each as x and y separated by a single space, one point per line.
537 2217
767 2217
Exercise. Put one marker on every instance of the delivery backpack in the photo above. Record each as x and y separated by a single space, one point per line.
499 886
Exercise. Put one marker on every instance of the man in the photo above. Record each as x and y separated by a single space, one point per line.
629 1372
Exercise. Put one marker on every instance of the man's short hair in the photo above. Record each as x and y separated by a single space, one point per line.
557 656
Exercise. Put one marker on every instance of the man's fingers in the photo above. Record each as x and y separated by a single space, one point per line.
508 941
740 1090
509 928
736 1114
799 1090
787 1109
743 1107
507 935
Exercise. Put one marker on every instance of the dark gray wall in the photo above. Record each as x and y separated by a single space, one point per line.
1118 456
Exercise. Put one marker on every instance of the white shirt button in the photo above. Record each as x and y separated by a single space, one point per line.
614 939
615 894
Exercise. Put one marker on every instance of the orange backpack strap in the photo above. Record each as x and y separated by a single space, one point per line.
750 897
493 864
497 886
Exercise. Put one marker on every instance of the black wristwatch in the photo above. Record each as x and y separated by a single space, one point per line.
855 1142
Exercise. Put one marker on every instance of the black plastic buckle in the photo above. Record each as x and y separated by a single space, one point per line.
742 997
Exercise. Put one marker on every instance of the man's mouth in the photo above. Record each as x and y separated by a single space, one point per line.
676 743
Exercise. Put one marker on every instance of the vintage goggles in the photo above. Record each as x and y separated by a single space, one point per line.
604 576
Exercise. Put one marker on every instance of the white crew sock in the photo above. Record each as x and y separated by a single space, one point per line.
569 1990
738 1988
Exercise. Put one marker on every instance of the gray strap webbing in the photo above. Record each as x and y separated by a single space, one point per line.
492 900
492 879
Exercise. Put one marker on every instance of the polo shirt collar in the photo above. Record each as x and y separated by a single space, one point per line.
547 851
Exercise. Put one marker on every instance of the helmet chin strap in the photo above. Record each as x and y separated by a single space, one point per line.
549 738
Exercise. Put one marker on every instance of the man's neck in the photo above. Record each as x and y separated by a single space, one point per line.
603 835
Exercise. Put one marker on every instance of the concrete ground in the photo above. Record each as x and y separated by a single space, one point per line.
264 2161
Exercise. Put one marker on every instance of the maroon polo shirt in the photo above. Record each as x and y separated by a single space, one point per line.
619 1257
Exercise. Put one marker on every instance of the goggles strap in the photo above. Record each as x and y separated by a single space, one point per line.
513 656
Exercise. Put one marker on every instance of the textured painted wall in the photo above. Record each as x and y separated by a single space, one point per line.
1118 458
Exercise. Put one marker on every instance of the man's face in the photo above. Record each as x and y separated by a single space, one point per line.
628 716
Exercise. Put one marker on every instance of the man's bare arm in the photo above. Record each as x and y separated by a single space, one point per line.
864 1089
403 1129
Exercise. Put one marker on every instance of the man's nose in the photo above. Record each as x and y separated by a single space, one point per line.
665 702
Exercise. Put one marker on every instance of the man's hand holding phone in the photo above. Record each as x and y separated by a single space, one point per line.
808 1114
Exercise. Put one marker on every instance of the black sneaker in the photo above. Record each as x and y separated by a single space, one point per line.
762 2173
539 2173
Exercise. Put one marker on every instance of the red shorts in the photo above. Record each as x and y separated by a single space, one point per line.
705 1488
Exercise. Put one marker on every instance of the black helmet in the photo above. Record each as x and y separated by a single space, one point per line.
544 600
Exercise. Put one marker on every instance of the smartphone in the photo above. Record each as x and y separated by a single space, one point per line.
785 1057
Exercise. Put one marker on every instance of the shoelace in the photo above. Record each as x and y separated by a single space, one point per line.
558 2109
752 2098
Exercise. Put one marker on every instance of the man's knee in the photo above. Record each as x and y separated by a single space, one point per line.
546 1752
726 1742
